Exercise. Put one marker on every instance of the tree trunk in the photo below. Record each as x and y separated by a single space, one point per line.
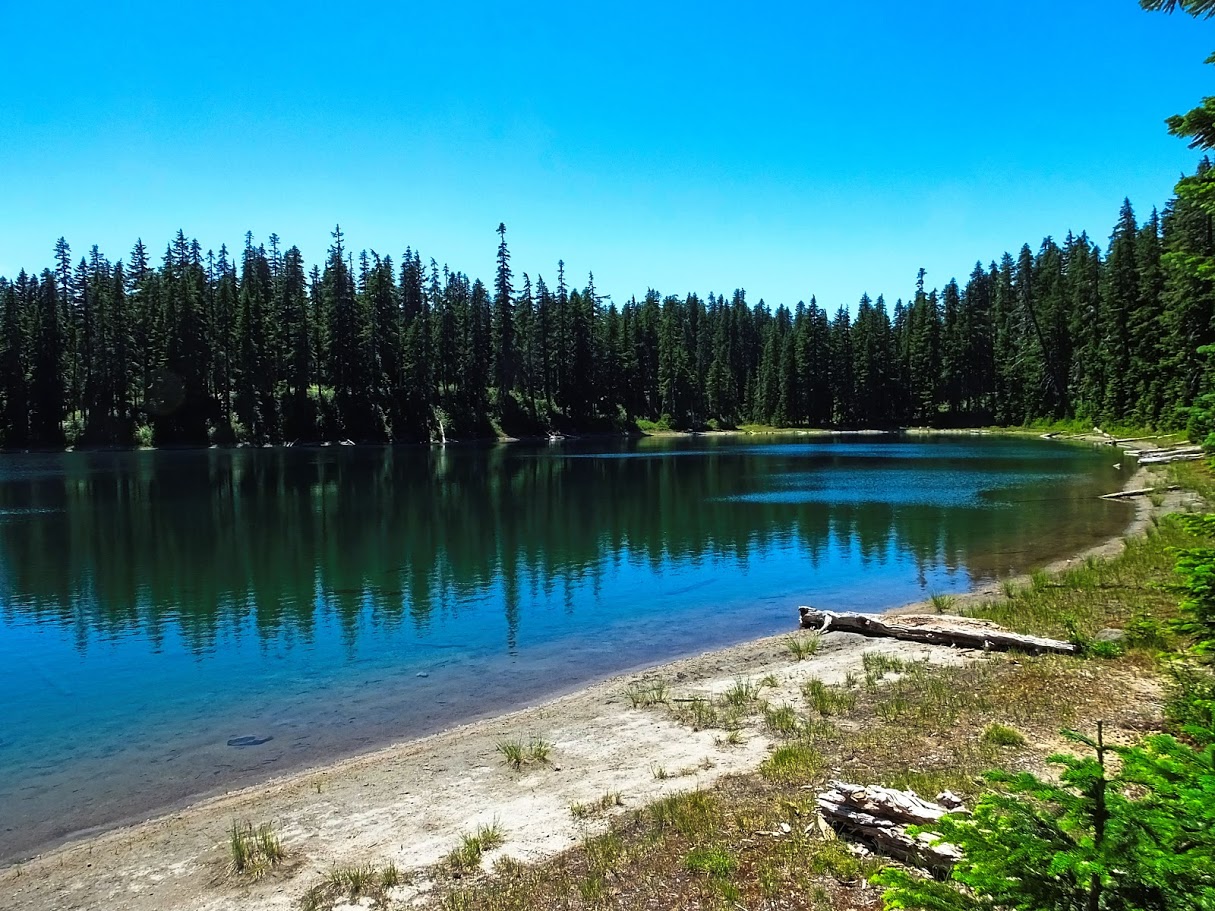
966 632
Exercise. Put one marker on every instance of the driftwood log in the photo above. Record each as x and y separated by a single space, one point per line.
942 629
1172 457
1165 456
1136 492
881 816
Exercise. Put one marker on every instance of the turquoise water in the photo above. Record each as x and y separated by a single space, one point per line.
178 623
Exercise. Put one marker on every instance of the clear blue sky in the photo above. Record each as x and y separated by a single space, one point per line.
791 149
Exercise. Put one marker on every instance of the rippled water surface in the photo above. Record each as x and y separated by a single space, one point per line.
176 623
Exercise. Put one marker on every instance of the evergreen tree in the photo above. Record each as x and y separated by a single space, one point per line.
1120 299
47 389
504 354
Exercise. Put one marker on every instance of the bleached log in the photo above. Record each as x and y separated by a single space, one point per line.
1136 492
943 629
1186 455
881 816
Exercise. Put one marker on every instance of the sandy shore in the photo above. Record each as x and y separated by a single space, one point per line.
408 804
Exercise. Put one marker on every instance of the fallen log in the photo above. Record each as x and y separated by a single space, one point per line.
1166 451
1136 492
944 629
881 816
1173 457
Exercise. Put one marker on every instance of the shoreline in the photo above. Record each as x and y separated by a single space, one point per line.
599 435
409 802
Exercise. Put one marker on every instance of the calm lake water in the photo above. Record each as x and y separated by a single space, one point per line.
177 623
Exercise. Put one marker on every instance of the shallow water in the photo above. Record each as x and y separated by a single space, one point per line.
177 623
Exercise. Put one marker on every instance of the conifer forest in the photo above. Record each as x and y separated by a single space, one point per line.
198 347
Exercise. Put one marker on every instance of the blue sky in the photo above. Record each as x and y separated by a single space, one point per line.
790 149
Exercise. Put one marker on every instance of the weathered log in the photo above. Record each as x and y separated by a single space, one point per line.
1136 492
1186 456
944 629
881 816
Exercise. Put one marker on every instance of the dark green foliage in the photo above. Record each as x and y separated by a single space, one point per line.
1142 839
1193 7
203 349
1196 566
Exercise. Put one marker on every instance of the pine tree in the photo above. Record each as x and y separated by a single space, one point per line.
14 390
299 418
842 380
1139 840
1119 301
505 356
47 390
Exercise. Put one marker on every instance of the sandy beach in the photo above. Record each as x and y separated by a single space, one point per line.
408 804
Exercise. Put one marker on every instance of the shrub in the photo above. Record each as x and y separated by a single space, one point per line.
1143 839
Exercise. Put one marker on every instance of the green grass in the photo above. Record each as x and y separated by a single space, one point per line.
879 664
608 801
802 647
782 720
828 700
698 713
1098 593
1002 735
713 861
690 813
516 753
648 692
539 750
466 857
743 693
254 850
513 753
792 762
942 604
348 885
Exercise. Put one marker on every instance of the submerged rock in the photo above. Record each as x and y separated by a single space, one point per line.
249 741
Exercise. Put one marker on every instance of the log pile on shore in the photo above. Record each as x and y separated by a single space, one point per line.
1167 456
880 817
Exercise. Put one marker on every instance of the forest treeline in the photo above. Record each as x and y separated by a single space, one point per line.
261 348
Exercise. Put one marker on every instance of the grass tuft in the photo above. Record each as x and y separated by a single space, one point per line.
802 647
254 850
782 720
1001 735
942 604
828 700
793 762
714 861
515 753
466 858
644 693
743 693
608 801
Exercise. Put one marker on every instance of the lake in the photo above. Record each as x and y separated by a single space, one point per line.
174 624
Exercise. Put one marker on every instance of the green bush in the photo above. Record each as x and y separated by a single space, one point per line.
1143 840
1196 566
